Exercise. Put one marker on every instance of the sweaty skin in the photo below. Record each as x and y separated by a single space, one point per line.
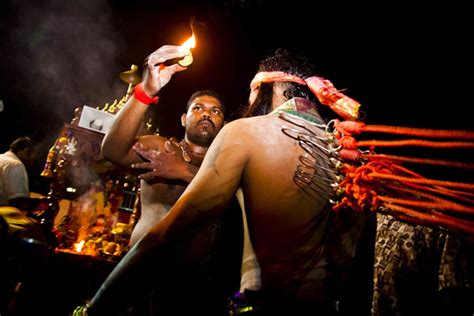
170 172
159 194
287 225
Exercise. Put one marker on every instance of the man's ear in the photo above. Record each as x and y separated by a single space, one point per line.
183 119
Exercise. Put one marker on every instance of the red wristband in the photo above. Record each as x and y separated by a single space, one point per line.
141 96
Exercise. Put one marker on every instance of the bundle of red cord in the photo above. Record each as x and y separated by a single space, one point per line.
380 182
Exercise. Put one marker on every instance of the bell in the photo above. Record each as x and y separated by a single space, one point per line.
131 76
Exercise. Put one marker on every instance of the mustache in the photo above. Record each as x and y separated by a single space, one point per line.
206 119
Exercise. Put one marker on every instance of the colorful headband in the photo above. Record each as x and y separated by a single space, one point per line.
323 89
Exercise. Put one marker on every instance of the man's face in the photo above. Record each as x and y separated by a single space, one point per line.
203 120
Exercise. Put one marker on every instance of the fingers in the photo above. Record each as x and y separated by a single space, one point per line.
168 147
159 74
176 68
164 53
171 146
144 165
148 175
148 154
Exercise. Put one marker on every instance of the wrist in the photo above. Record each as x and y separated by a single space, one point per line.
140 94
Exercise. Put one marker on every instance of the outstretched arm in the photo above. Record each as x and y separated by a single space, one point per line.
117 144
205 198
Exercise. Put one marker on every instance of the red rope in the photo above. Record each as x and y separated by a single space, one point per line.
413 142
451 184
435 162
434 218
422 192
355 128
382 182
440 204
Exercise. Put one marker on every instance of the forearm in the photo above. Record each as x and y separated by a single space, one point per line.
153 259
129 279
117 144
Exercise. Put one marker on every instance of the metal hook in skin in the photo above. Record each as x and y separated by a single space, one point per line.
311 176
307 186
308 162
293 119
297 135
311 139
312 146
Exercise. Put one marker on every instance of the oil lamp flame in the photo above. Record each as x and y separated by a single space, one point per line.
190 43
185 48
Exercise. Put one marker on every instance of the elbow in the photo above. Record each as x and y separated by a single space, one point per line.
109 152
106 150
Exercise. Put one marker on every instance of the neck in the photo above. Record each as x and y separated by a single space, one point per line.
193 149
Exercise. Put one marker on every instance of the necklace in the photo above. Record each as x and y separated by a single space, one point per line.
188 153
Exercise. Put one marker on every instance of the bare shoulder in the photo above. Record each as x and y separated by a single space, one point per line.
246 125
254 126
152 141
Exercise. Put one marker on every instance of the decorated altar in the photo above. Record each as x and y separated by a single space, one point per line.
97 203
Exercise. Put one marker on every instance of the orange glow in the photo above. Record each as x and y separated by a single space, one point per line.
190 43
78 246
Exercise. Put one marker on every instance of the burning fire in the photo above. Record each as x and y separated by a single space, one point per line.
190 43
185 48
78 246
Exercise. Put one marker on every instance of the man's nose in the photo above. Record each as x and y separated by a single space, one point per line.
207 114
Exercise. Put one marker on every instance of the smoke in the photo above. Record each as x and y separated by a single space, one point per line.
62 55
56 55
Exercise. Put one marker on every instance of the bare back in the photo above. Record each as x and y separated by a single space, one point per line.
287 225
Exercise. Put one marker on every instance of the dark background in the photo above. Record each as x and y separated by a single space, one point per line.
407 65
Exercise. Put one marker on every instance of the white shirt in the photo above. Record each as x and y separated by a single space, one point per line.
13 178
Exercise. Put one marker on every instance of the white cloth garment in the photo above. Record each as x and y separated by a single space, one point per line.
250 271
13 178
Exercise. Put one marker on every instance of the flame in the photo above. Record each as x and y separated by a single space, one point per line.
190 43
78 246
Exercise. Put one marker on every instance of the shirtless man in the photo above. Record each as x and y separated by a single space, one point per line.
168 165
179 162
287 205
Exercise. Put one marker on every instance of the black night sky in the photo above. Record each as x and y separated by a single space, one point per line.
407 66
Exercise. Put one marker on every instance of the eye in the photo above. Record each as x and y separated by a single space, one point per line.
196 108
217 111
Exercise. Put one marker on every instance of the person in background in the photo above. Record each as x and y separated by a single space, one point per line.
24 244
14 185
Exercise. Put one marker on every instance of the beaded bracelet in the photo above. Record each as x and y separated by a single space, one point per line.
141 96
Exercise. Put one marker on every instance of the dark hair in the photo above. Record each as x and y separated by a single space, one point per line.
293 64
20 144
289 62
206 92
